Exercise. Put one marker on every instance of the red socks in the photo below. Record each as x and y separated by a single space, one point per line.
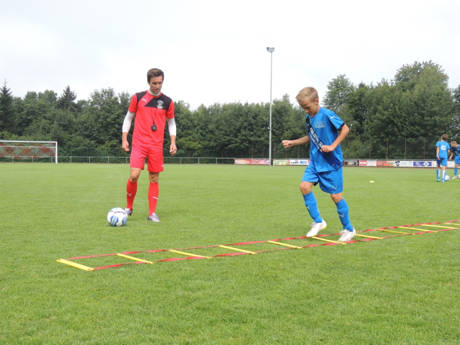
154 191
131 189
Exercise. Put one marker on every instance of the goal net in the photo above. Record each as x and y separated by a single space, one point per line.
28 151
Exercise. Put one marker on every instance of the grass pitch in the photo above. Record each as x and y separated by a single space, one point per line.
398 291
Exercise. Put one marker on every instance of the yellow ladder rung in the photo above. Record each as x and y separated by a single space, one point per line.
134 258
187 254
454 225
416 229
367 236
439 226
284 244
323 239
74 264
237 249
394 232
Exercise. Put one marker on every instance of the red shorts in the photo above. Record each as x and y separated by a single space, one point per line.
154 157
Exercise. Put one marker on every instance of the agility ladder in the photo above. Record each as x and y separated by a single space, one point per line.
241 248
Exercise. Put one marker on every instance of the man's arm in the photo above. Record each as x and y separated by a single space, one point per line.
172 135
125 130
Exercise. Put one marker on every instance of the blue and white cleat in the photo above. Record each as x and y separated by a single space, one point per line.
347 235
316 227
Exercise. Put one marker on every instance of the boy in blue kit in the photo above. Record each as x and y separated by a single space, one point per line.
442 152
325 131
455 154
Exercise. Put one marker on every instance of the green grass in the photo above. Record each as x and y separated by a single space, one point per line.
397 291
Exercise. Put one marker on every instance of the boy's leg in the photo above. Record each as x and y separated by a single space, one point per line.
343 211
456 171
312 207
443 175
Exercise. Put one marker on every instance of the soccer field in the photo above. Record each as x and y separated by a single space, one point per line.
402 290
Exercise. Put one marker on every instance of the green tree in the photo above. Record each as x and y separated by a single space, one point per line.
6 109
338 94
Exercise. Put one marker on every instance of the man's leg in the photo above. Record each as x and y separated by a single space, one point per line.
153 194
131 189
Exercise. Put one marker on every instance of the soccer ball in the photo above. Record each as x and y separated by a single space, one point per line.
117 217
447 178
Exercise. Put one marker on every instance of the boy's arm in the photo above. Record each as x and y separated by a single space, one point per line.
290 143
344 130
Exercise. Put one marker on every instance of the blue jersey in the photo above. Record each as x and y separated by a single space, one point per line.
323 129
443 148
456 153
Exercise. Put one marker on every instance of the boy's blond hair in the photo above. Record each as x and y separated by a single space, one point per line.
453 143
309 93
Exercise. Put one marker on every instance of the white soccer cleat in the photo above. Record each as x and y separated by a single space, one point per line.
154 218
129 211
347 235
316 227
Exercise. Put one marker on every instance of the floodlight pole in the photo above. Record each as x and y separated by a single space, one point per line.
270 50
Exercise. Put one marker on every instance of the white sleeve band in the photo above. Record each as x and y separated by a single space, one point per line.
172 126
127 122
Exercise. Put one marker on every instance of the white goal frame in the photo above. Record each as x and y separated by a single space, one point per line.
11 143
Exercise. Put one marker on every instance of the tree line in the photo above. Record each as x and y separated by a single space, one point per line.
399 118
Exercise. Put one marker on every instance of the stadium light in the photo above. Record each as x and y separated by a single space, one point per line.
270 50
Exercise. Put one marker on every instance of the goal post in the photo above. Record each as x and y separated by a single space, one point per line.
24 150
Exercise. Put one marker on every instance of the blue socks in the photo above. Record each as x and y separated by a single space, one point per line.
312 207
455 171
438 175
342 210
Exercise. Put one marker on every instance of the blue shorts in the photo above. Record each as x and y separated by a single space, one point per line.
457 159
441 162
329 181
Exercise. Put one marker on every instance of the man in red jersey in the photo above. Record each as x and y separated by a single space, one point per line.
152 109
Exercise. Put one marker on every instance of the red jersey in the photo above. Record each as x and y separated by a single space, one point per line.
151 113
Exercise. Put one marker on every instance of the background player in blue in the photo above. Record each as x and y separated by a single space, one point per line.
455 154
442 152
325 131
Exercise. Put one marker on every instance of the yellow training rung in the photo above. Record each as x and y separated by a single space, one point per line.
416 229
284 244
134 258
439 226
453 225
367 236
74 264
187 254
323 239
237 249
394 232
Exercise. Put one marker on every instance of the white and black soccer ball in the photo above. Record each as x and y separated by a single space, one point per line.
117 217
446 178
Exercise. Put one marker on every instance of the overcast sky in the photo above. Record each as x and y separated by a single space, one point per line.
215 51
